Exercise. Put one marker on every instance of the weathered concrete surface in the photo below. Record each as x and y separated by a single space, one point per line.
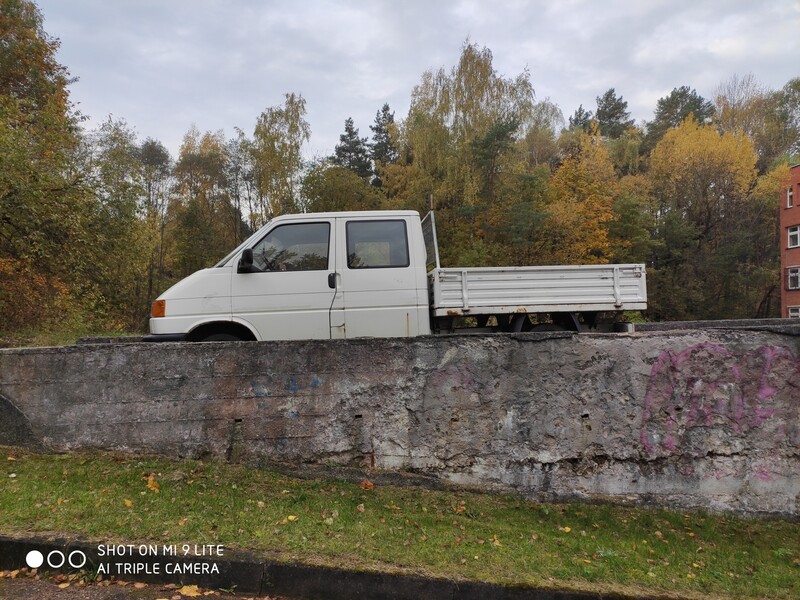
688 419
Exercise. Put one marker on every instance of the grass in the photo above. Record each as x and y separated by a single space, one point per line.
450 534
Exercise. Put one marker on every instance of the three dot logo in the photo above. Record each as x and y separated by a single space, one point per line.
56 559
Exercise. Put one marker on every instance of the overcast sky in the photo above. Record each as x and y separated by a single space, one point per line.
164 65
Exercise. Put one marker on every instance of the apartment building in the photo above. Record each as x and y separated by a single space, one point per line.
790 246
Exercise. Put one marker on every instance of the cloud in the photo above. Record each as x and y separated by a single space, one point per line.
166 65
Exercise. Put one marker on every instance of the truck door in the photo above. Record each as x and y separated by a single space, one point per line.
289 294
378 281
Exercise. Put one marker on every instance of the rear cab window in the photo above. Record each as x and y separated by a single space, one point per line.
377 244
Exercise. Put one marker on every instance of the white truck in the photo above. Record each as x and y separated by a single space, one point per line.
377 274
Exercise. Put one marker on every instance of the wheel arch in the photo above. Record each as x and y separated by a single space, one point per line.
216 327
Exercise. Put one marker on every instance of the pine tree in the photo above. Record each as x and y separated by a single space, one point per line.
352 151
612 114
382 149
673 110
581 119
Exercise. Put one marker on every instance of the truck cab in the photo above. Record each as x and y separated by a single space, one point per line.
307 276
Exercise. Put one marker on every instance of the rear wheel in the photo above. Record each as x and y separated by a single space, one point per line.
520 323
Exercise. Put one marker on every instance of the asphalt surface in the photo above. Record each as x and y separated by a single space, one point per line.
152 575
24 586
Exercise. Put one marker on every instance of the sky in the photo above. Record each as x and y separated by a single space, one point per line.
167 65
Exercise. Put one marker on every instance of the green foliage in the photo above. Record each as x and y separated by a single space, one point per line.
612 114
673 110
581 119
710 229
352 152
383 149
276 148
206 225
333 188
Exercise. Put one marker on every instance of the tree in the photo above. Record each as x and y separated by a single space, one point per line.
333 188
206 224
629 232
156 164
779 140
740 103
452 113
581 119
45 210
744 105
612 114
122 243
673 110
701 181
240 174
352 151
788 116
625 151
539 145
29 71
582 191
383 149
488 151
278 139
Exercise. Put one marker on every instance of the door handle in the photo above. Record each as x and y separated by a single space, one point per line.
332 280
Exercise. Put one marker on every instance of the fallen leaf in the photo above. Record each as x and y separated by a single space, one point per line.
139 585
152 484
360 508
366 484
128 502
291 518
182 521
190 591
64 585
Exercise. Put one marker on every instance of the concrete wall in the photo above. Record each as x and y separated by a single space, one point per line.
688 419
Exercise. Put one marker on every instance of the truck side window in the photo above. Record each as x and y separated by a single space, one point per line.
294 247
377 244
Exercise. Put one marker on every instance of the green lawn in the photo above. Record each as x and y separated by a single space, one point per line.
450 534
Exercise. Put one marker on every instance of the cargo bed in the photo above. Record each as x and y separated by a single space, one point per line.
546 289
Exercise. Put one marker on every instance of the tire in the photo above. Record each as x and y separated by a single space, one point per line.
221 337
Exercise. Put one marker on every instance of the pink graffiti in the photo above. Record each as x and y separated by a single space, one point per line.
709 386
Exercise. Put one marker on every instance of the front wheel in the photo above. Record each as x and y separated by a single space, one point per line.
221 337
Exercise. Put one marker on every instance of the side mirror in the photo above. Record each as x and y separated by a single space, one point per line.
246 262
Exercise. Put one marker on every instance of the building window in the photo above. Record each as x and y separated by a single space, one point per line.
794 312
789 197
794 236
793 278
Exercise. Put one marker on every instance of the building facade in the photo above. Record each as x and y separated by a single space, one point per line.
790 246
